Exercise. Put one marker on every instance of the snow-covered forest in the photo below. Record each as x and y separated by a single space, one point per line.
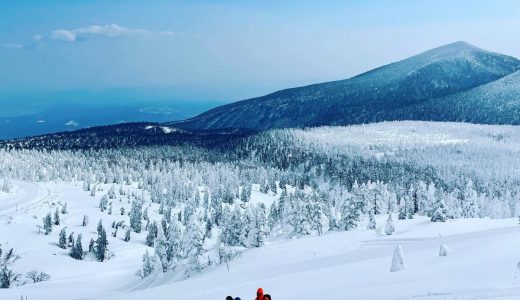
155 214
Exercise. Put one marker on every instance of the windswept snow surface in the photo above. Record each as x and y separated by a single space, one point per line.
481 264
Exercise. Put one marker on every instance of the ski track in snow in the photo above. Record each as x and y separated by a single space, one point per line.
27 195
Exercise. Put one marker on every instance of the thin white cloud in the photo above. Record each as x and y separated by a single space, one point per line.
103 31
110 31
12 45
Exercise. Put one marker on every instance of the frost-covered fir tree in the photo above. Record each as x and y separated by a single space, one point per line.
99 227
349 214
148 266
319 221
56 217
62 241
443 250
7 186
258 232
194 265
91 246
127 235
160 249
136 214
101 248
152 234
103 203
371 220
145 214
439 212
301 214
402 209
410 204
76 251
8 277
84 223
47 224
397 260
232 228
470 207
64 209
71 239
245 195
274 216
193 240
174 242
389 227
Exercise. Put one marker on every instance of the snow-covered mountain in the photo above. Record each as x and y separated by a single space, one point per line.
403 90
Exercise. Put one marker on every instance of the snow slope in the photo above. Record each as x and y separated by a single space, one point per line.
355 265
341 265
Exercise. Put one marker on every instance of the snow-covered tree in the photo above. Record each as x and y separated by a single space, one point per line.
174 242
232 227
245 195
85 221
76 251
152 234
350 214
389 227
47 224
443 250
470 207
101 248
99 227
439 212
136 214
7 186
397 260
57 217
36 276
62 241
148 266
402 209
371 220
160 245
193 240
127 235
8 276
103 203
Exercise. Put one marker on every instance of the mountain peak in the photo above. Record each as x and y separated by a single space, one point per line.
452 50
373 96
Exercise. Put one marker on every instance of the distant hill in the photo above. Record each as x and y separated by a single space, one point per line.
406 90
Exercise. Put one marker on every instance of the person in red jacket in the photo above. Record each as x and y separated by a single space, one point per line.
260 294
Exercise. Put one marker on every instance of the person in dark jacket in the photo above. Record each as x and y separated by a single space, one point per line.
229 298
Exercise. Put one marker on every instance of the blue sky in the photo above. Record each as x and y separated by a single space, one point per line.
229 50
